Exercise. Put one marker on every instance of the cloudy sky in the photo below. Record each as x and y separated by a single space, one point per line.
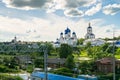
44 20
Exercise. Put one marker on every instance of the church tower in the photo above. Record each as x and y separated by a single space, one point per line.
89 34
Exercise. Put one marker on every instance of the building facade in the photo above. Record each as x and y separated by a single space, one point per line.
89 34
90 37
106 65
67 38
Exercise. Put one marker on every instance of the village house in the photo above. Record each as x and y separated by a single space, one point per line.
105 65
55 62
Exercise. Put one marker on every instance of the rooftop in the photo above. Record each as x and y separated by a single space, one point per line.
53 76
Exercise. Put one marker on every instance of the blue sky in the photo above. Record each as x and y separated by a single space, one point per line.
44 20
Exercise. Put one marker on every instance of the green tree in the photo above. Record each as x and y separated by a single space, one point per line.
118 51
70 62
80 41
97 52
13 63
38 62
65 50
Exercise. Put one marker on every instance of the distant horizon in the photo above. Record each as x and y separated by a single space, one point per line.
46 40
44 20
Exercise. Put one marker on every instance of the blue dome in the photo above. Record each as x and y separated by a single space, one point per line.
89 27
67 30
118 42
57 42
61 33
92 34
73 33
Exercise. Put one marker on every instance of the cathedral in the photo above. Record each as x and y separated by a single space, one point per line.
90 37
67 38
89 34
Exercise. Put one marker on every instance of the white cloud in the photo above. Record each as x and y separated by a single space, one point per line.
94 9
26 4
47 29
79 3
103 31
30 4
69 7
111 9
73 13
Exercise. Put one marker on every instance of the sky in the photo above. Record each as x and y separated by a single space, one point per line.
44 20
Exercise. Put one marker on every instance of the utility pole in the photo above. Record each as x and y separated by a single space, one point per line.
45 64
113 55
45 50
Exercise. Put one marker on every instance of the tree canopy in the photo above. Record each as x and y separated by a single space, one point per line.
65 50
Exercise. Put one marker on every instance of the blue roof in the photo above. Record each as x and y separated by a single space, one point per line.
117 42
73 33
53 76
88 77
91 34
57 42
89 27
67 30
61 33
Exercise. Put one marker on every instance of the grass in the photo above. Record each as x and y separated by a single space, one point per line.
117 56
83 54
4 55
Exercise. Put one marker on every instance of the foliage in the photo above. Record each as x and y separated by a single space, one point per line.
5 69
13 63
80 41
9 77
87 67
30 68
98 52
117 56
118 51
65 50
38 62
70 62
109 77
63 71
50 48
77 50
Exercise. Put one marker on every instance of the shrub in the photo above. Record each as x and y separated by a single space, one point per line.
63 71
8 77
109 77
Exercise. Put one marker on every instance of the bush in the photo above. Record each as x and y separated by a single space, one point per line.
3 68
63 71
8 77
109 77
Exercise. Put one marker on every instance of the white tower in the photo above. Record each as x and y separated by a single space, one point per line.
89 34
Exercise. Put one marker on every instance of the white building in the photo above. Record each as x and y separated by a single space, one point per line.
89 34
94 42
90 37
117 43
66 38
14 40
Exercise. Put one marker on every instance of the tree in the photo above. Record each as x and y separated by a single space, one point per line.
98 52
70 62
118 51
65 50
80 41
38 62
